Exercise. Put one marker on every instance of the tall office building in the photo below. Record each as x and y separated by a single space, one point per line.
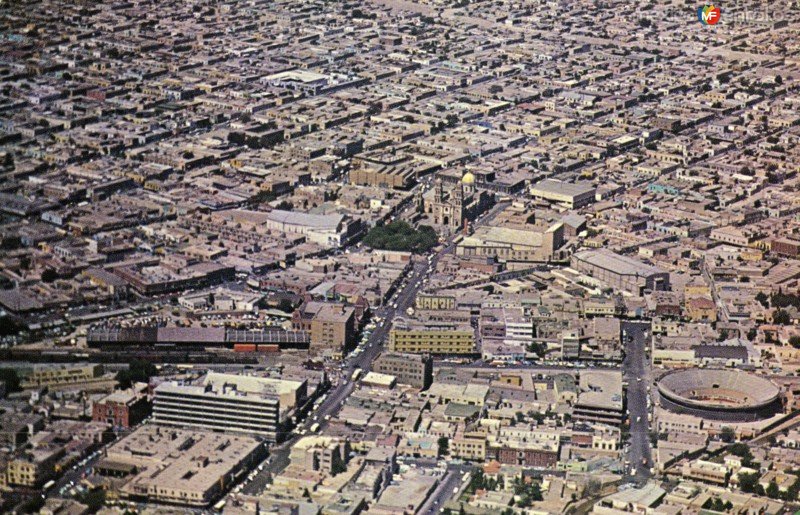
226 402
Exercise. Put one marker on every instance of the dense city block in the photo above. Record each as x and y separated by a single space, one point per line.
394 257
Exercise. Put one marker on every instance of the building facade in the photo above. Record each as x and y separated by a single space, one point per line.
419 339
227 402
572 195
620 272
413 369
461 204
122 409
507 245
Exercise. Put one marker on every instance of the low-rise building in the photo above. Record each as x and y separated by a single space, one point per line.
620 272
34 467
600 398
572 195
512 245
122 409
706 471
177 466
412 369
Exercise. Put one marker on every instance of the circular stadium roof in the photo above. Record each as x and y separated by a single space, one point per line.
718 390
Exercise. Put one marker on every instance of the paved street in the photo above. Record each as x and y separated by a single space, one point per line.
636 371
445 490
279 455
72 477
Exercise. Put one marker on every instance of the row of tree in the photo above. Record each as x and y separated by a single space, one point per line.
401 236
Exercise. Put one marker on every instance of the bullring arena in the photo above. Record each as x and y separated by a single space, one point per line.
718 394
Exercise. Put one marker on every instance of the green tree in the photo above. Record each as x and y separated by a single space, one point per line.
536 348
793 492
444 445
286 305
783 300
139 370
781 317
263 196
743 451
402 237
772 490
727 434
748 482
794 341
477 481
338 467
527 492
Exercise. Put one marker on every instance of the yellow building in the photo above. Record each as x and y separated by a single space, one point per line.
56 375
705 471
696 288
701 308
33 468
436 302
469 445
418 338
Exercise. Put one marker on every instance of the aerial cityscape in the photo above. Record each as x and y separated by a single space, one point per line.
394 257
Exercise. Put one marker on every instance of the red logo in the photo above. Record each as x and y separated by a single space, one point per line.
709 14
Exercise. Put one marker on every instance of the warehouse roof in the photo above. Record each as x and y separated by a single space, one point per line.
616 263
563 188
305 219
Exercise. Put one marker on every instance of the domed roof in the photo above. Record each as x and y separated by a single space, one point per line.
468 178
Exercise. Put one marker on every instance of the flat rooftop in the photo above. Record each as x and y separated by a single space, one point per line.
171 458
616 263
602 390
555 187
